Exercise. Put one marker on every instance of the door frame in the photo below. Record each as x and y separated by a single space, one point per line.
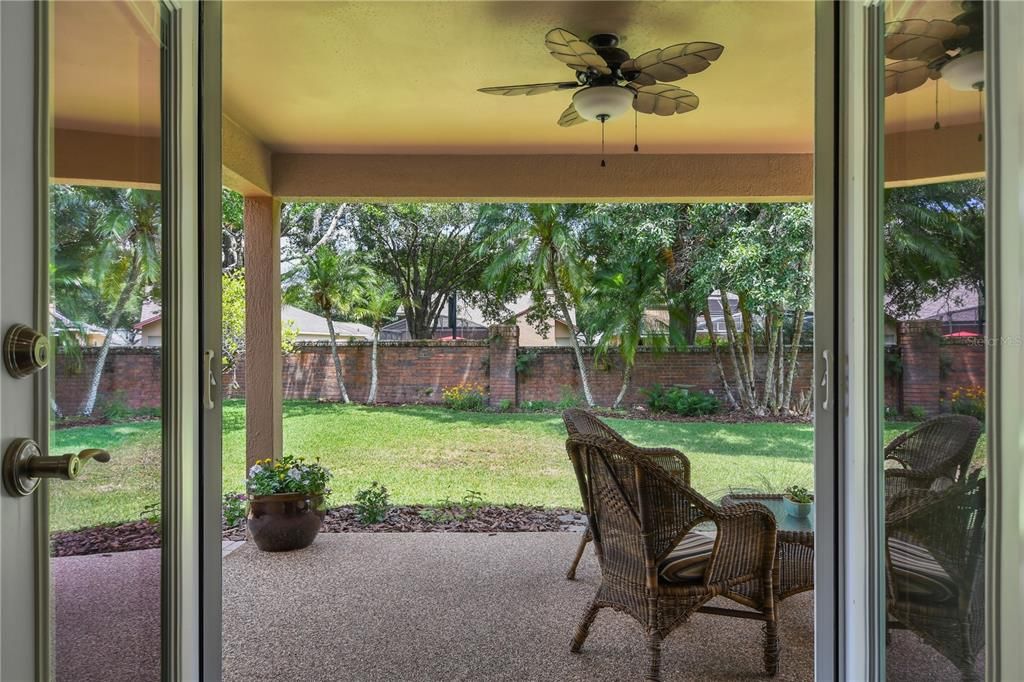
1004 310
181 155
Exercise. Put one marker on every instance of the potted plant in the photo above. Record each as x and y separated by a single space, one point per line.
286 502
798 501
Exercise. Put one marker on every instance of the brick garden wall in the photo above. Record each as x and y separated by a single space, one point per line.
131 376
417 371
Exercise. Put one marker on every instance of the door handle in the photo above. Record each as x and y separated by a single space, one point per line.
826 380
25 465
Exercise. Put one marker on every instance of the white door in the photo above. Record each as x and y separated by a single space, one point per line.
99 196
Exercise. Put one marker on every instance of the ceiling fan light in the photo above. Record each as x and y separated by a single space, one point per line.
966 72
607 101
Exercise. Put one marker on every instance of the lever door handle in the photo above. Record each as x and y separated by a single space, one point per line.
25 465
826 380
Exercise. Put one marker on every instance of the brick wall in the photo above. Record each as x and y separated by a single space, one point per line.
130 376
554 372
417 371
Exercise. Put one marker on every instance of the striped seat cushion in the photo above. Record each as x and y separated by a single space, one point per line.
688 561
917 575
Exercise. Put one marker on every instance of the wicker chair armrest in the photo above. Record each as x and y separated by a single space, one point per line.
671 460
745 545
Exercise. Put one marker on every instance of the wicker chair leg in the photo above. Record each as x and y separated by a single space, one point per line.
571 575
654 665
771 647
969 672
583 628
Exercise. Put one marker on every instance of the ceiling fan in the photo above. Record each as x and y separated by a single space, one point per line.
609 81
937 48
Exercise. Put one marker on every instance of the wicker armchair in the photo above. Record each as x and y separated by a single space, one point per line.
939 448
640 515
935 568
583 423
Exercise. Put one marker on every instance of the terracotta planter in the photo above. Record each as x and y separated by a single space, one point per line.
285 521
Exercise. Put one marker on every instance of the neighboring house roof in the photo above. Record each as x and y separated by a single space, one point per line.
311 324
120 337
959 304
306 323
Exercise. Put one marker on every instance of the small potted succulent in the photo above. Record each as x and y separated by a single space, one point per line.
287 502
798 501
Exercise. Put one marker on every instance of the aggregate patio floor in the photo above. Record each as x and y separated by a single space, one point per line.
417 606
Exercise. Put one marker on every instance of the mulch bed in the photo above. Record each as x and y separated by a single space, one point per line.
145 535
106 539
74 422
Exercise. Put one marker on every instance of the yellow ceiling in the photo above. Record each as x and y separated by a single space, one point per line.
401 77
106 72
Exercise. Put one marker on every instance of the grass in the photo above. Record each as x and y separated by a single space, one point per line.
425 454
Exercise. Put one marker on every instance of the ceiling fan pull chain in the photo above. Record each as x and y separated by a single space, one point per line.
937 126
636 146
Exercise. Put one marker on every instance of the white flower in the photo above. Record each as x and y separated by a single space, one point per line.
256 468
295 474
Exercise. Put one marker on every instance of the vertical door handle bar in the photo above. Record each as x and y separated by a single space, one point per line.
826 381
211 380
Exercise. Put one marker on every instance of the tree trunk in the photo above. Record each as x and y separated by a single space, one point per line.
372 398
627 374
563 308
101 357
794 353
682 314
748 395
713 340
337 360
768 397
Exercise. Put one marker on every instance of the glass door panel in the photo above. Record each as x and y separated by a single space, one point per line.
106 210
934 346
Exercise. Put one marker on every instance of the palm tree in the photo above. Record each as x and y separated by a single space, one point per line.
120 241
379 303
542 240
331 282
620 298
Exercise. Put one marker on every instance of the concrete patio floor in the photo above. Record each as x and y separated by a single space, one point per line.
417 606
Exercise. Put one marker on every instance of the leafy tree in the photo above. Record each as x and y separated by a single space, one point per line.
108 248
542 241
233 324
232 235
762 253
379 304
934 243
623 291
429 252
330 282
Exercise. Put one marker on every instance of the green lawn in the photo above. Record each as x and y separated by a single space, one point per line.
424 455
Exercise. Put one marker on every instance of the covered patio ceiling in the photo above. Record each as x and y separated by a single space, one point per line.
377 100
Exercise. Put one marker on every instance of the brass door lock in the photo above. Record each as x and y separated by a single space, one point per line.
26 351
24 465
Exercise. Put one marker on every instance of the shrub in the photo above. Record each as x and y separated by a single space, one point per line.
372 504
115 408
569 399
447 510
916 413
465 397
233 509
525 360
969 400
288 475
680 401
505 405
538 406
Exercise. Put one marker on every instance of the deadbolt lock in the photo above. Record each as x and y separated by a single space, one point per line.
26 351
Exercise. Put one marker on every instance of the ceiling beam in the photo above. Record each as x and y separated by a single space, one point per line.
540 177
247 161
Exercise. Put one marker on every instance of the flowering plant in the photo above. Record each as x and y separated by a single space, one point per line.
288 475
969 400
465 396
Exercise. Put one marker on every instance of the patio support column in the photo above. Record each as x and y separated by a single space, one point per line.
263 416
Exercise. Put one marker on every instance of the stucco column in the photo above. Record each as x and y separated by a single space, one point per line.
263 416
